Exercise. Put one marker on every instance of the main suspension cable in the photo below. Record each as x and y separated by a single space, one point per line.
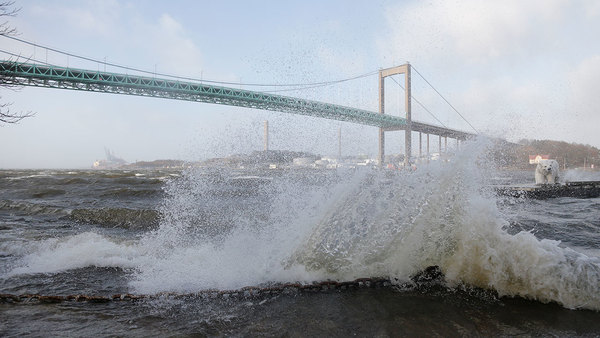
448 102
324 83
420 104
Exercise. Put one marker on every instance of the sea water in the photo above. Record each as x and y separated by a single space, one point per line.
510 266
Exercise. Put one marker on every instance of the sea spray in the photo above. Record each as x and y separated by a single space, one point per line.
214 237
357 223
364 223
521 265
393 224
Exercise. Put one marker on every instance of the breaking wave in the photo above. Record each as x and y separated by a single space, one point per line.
78 251
28 208
354 223
117 217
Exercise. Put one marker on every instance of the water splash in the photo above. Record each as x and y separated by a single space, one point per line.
77 251
218 232
366 223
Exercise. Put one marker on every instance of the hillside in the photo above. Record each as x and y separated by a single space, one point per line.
569 155
258 159
157 164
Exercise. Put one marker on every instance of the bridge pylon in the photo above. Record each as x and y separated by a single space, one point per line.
383 73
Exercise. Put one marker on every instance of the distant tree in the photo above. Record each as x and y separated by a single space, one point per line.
575 155
7 10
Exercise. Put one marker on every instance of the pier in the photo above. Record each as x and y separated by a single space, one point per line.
584 189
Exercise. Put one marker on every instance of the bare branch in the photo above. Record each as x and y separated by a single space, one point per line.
6 10
7 117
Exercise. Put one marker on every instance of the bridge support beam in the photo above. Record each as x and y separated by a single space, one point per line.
381 157
339 145
445 145
266 137
407 108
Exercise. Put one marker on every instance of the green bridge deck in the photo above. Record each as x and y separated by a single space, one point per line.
88 80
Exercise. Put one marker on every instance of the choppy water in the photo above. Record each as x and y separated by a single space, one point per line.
511 266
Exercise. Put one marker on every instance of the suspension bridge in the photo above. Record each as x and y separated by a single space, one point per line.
52 76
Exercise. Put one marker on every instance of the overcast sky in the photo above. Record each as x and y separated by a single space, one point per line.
514 69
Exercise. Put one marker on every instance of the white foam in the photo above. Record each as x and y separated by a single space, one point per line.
575 175
27 176
250 255
522 265
244 259
373 225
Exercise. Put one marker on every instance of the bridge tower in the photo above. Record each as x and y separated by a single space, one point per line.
383 73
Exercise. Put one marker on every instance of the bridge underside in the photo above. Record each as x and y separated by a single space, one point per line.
86 80
434 130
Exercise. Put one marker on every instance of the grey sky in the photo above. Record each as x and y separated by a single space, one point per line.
515 69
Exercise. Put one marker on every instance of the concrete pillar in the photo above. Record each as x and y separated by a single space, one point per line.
440 145
339 144
266 138
428 148
381 157
407 107
445 144
420 145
